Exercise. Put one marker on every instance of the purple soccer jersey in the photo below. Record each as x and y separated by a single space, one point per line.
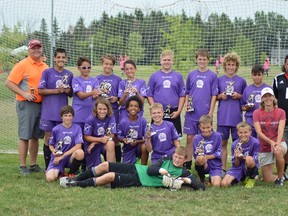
140 85
51 104
229 111
83 107
166 88
252 94
131 130
200 86
212 146
110 85
162 141
97 128
64 139
251 148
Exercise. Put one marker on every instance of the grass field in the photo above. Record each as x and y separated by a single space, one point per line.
33 196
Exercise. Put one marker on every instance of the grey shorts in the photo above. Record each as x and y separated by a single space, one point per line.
29 114
266 158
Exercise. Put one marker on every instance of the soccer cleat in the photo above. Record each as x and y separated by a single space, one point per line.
278 182
35 168
250 183
23 171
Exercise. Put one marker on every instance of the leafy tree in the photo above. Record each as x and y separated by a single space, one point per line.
135 48
245 49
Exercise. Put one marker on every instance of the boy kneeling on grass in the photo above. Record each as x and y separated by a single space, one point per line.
166 172
244 158
65 144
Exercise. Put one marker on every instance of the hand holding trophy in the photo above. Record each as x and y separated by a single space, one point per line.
239 149
190 107
58 149
149 131
230 88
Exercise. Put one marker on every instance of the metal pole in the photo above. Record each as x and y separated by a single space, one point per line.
52 34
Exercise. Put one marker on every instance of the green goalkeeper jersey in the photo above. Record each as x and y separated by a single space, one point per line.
156 181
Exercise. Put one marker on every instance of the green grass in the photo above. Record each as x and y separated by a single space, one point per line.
32 195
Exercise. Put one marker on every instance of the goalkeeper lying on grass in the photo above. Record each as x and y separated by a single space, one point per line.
166 172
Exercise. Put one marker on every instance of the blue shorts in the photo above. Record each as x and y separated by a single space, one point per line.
238 172
191 127
213 172
225 132
47 125
64 163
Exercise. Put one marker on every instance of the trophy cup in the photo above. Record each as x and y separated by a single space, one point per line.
250 101
167 112
129 136
109 133
58 150
190 107
229 89
105 89
239 148
65 81
149 130
200 148
129 87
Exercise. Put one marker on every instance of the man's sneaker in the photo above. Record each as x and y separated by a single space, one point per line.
35 168
278 182
250 183
23 171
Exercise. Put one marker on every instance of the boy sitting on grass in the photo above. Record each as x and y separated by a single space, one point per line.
244 158
65 144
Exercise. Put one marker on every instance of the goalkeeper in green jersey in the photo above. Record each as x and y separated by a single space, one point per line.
166 172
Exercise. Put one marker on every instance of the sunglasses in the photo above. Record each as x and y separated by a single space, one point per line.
84 67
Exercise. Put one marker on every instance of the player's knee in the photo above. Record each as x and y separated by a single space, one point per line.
110 176
79 154
224 183
50 177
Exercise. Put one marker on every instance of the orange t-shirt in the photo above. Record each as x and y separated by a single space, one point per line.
27 74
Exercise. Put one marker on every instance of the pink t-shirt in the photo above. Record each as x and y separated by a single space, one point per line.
269 123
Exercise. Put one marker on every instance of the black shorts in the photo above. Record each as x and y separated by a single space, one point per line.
126 175
176 122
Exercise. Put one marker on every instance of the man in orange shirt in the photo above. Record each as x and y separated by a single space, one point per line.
23 81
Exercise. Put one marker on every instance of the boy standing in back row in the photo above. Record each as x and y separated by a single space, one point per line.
201 91
55 87
167 88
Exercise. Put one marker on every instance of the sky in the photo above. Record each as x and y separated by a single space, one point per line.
67 12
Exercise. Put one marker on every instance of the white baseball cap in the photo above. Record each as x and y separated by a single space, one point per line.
266 90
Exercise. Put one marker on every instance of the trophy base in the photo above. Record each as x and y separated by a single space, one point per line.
250 104
110 139
191 110
129 140
59 153
104 95
241 155
152 133
228 93
166 116
200 154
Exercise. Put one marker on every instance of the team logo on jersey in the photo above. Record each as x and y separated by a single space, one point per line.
162 137
59 83
100 131
67 140
166 84
258 98
88 88
208 148
87 128
199 84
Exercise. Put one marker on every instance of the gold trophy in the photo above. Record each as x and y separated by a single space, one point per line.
190 107
167 112
230 88
58 150
200 148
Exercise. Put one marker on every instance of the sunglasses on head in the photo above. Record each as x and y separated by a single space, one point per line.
84 67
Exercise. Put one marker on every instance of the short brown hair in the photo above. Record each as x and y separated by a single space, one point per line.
205 119
242 125
181 150
109 57
66 109
202 52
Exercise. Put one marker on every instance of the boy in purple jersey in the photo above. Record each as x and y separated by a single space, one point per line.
65 144
55 86
207 151
131 86
251 97
86 91
131 132
200 99
167 88
99 131
244 158
230 89
162 138
109 85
